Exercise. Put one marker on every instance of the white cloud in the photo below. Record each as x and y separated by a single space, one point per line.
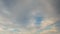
48 21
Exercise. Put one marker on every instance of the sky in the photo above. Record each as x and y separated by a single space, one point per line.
29 17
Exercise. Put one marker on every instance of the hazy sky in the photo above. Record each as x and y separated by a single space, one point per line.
29 17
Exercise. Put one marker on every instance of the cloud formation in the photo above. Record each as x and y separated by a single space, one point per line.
28 17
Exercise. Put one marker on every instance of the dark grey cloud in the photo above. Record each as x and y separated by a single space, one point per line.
9 3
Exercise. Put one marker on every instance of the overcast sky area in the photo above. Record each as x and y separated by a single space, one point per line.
29 16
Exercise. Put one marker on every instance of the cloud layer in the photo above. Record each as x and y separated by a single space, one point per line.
29 17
